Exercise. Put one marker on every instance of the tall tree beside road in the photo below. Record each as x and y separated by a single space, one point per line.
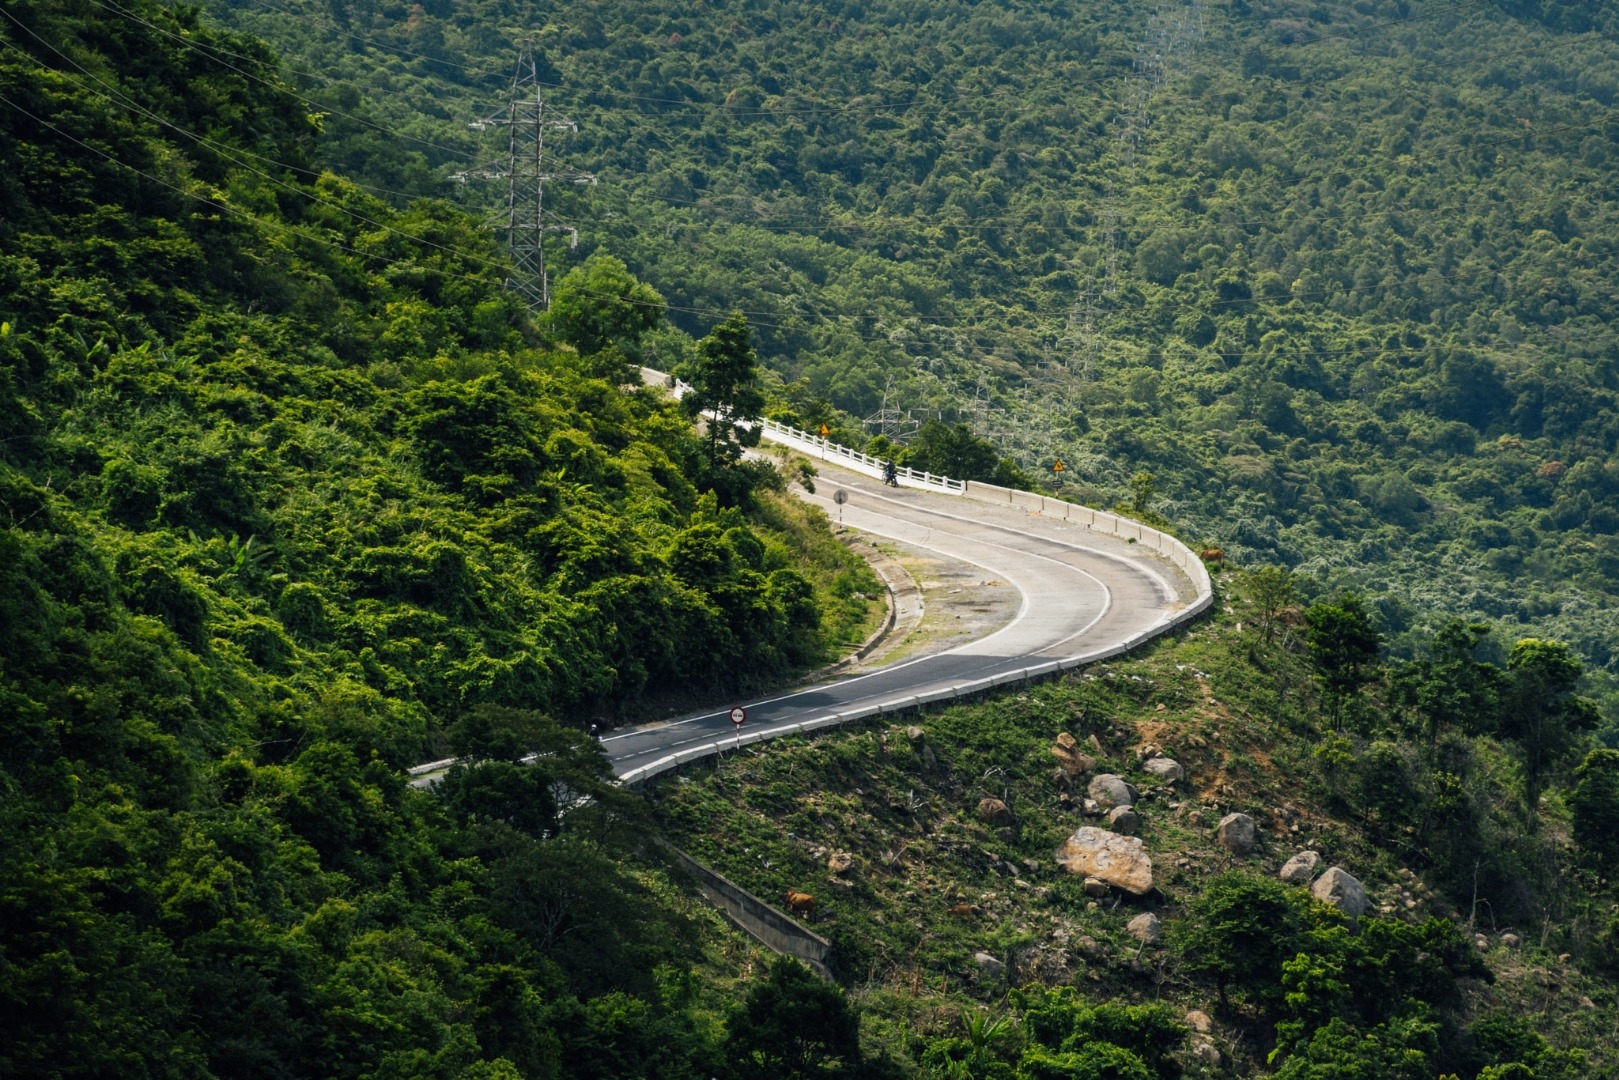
724 379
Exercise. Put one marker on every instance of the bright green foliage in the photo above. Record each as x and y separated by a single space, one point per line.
1595 804
1108 1039
1510 1049
1399 1050
601 305
1239 931
293 499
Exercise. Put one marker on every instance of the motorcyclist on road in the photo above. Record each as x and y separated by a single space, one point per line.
890 473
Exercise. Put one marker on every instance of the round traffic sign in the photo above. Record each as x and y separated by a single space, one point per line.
840 496
738 715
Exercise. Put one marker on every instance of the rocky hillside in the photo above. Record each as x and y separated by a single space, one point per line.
1292 882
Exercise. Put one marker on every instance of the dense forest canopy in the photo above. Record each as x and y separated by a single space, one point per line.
1340 275
296 495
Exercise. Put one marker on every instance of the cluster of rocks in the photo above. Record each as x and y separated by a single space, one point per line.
1113 857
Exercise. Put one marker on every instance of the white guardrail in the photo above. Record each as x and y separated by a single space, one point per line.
1150 539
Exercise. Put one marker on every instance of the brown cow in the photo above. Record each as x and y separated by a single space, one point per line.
1212 555
800 903
963 911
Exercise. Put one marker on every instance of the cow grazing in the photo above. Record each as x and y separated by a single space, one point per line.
963 911
1212 555
800 903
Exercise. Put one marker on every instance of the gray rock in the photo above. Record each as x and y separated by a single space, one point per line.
1207 1053
1339 888
840 862
1095 886
1121 861
1092 807
1146 927
988 966
1124 820
1166 769
1300 868
1199 1021
913 733
994 812
1111 790
1511 941
1238 833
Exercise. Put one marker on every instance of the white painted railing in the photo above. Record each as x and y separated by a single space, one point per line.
860 462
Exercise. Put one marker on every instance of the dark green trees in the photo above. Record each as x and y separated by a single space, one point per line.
1595 804
1541 711
794 1026
724 381
1343 645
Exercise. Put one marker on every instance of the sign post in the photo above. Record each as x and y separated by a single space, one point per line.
739 716
825 431
840 497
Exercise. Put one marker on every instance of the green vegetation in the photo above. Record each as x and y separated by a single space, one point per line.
915 883
1340 275
294 497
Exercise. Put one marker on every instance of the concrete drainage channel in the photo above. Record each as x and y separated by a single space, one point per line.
764 923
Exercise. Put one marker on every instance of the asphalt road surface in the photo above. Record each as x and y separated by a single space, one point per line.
1083 594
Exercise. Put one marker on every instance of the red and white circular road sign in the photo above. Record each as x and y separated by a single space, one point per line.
738 715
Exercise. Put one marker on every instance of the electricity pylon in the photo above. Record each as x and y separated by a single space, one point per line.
525 221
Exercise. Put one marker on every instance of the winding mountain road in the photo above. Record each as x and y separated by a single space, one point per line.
1085 595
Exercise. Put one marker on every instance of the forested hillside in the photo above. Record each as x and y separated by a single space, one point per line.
294 496
1339 275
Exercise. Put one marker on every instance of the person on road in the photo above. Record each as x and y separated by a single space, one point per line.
890 473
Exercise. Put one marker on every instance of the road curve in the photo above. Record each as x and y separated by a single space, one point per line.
1085 595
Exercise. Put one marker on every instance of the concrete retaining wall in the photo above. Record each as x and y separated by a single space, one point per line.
770 927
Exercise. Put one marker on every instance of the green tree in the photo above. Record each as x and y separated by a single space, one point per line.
1595 805
1343 646
1143 489
1542 713
601 305
1273 590
1239 931
1450 688
724 384
793 1025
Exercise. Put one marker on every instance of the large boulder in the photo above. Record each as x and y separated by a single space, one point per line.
1238 833
1166 769
1070 758
1300 868
1111 790
1339 888
1121 861
1145 927
989 966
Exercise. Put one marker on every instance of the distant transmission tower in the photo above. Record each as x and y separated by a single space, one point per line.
525 221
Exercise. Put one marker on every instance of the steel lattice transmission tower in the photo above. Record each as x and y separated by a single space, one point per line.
525 222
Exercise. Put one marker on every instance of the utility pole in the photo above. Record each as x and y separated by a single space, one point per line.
525 222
